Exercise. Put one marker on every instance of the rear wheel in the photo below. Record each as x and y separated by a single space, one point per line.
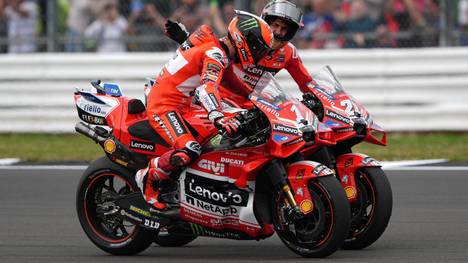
371 212
102 183
322 232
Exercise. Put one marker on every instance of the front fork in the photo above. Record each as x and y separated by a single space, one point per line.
293 180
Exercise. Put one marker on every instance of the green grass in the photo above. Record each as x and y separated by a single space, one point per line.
71 147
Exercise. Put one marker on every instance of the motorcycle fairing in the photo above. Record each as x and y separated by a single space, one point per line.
215 202
299 174
347 165
93 108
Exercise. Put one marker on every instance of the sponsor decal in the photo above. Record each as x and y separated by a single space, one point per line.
214 99
306 206
280 58
337 116
225 211
345 179
248 24
300 191
146 146
213 166
93 119
211 73
286 129
186 45
91 108
319 169
267 103
214 194
298 140
348 162
300 174
244 54
236 154
151 224
350 192
194 147
201 231
109 146
176 123
237 37
369 160
343 130
325 98
140 211
255 70
280 138
113 89
233 162
161 123
124 213
324 92
217 54
332 123
250 80
216 140
268 109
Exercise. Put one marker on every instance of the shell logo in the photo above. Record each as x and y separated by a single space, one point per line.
109 146
306 206
350 192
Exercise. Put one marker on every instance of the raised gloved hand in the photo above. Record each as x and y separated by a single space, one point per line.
230 124
176 31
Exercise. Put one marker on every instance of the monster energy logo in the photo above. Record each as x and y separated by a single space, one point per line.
197 229
248 24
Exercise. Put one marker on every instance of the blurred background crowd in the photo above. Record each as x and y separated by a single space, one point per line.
137 25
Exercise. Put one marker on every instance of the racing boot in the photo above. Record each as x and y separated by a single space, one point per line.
148 180
159 169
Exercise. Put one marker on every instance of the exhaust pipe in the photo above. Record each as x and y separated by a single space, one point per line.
87 131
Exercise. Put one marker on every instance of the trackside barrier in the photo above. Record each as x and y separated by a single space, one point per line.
404 89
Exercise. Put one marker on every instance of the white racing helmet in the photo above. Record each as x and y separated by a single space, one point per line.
287 11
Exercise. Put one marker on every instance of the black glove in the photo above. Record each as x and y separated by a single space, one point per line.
176 31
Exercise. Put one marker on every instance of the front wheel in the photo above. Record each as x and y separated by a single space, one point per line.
99 186
371 212
321 232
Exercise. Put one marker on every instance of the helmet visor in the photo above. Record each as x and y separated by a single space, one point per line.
258 48
284 9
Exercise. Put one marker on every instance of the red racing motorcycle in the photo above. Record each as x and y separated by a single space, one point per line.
367 188
243 187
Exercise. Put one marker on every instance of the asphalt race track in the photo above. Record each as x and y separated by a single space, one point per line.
38 223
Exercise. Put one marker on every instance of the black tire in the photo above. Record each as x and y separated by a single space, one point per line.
324 230
165 239
108 232
371 212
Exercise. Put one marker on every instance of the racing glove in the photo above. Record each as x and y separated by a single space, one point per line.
176 31
230 124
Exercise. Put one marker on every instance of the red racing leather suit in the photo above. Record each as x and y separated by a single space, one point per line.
199 63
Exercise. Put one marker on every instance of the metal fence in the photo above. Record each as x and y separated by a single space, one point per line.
61 25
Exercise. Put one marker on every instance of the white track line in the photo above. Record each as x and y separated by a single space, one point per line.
8 161
390 164
409 165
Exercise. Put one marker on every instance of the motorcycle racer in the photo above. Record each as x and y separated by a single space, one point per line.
284 18
197 68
